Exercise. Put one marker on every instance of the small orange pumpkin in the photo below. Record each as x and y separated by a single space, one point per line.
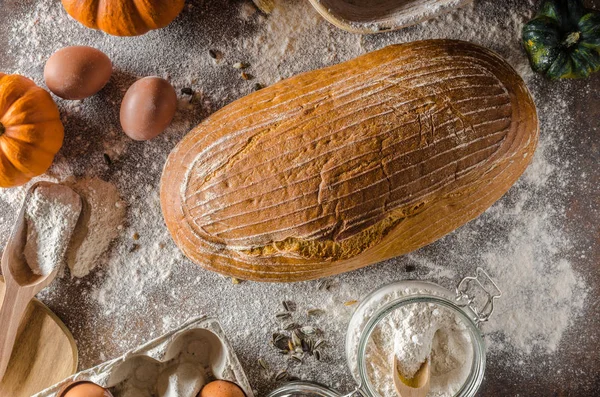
124 17
31 132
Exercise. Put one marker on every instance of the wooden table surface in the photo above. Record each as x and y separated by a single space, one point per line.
581 343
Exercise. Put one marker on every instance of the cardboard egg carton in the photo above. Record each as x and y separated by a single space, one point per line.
177 364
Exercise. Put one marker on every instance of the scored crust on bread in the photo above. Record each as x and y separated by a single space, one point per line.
349 165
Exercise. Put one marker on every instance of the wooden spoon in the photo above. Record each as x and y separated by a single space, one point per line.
21 283
418 386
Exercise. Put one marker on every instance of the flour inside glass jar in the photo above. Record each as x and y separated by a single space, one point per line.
413 334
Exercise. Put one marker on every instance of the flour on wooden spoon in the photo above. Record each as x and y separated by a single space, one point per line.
50 215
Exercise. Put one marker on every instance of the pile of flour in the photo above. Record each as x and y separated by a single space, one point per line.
101 223
51 214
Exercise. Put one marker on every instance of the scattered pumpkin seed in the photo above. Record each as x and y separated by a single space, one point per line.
291 327
296 340
281 375
297 357
289 306
240 65
283 315
308 330
325 285
315 312
317 355
263 364
305 345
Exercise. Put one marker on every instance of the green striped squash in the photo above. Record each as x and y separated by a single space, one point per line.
563 40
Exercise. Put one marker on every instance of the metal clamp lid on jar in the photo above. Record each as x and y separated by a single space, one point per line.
477 293
466 295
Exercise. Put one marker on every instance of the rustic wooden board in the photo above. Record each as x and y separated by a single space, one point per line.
44 354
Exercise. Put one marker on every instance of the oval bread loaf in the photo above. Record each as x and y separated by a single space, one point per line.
349 165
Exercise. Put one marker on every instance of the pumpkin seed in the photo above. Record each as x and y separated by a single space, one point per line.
296 340
281 375
308 330
297 357
324 285
283 315
305 345
291 326
240 65
317 355
289 306
315 312
263 364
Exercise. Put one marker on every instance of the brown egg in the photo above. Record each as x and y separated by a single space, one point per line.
84 389
148 108
221 388
77 72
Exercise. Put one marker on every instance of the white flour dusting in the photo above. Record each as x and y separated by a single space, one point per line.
146 286
50 215
102 218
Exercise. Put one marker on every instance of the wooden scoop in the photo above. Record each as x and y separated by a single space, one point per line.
21 283
418 386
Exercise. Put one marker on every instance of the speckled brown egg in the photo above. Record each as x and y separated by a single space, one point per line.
221 388
148 108
77 72
84 389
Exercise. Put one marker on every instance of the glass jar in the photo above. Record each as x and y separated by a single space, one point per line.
472 303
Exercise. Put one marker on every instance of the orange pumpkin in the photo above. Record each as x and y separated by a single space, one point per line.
124 17
31 132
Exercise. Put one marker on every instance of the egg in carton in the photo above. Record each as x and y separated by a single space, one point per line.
177 364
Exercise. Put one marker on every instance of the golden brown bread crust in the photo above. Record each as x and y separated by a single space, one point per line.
346 166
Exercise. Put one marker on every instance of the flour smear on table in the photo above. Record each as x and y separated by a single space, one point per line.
144 286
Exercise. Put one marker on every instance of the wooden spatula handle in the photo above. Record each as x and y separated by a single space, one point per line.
13 307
